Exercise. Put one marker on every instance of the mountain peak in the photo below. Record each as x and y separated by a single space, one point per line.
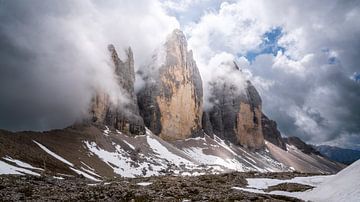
177 37
172 106
178 32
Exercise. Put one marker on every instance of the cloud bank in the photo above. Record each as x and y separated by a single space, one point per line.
302 57
54 54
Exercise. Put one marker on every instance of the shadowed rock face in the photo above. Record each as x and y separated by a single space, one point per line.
297 142
235 115
124 118
171 102
271 133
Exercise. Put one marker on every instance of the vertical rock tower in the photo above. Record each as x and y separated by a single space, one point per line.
172 100
124 118
235 115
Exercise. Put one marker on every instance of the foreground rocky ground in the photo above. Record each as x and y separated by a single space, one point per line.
163 188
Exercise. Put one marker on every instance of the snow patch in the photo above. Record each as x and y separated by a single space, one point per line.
85 175
106 131
130 145
6 168
144 183
264 183
163 152
20 163
53 154
198 155
120 161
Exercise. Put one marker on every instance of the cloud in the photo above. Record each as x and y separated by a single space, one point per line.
307 84
54 54
303 57
221 70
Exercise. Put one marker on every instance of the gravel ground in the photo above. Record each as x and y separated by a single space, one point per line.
163 188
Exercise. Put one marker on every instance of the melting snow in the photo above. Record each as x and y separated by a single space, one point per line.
90 172
263 183
163 152
87 166
20 163
53 154
224 145
130 145
118 160
198 155
85 174
344 186
6 168
144 183
106 131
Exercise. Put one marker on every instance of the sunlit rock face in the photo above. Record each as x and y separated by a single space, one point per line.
235 114
171 102
124 117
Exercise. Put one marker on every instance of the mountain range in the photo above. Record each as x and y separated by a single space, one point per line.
164 128
345 156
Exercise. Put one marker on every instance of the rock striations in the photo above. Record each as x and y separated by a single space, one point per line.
171 102
125 118
235 114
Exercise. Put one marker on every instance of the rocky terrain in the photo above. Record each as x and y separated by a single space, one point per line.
162 135
165 188
172 100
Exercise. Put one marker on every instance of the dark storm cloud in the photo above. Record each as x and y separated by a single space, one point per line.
53 55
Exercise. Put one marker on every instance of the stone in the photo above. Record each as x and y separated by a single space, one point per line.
301 145
235 115
271 133
171 102
125 118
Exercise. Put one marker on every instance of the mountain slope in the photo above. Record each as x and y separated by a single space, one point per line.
344 186
181 139
107 153
346 156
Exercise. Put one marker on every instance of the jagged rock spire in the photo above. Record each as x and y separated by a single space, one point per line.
172 105
235 115
125 118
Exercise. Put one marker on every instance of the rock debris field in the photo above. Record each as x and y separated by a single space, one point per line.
222 187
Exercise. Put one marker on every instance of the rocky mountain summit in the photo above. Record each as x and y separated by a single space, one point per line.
124 118
235 115
171 102
163 129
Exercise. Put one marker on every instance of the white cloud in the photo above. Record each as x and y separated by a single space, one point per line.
306 88
61 47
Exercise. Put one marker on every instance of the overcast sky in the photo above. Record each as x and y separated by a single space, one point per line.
303 57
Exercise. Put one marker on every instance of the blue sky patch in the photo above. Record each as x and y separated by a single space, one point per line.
356 77
332 60
269 44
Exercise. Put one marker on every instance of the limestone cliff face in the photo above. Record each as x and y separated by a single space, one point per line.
124 118
271 133
235 115
171 102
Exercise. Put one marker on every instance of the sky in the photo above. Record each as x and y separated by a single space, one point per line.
302 56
